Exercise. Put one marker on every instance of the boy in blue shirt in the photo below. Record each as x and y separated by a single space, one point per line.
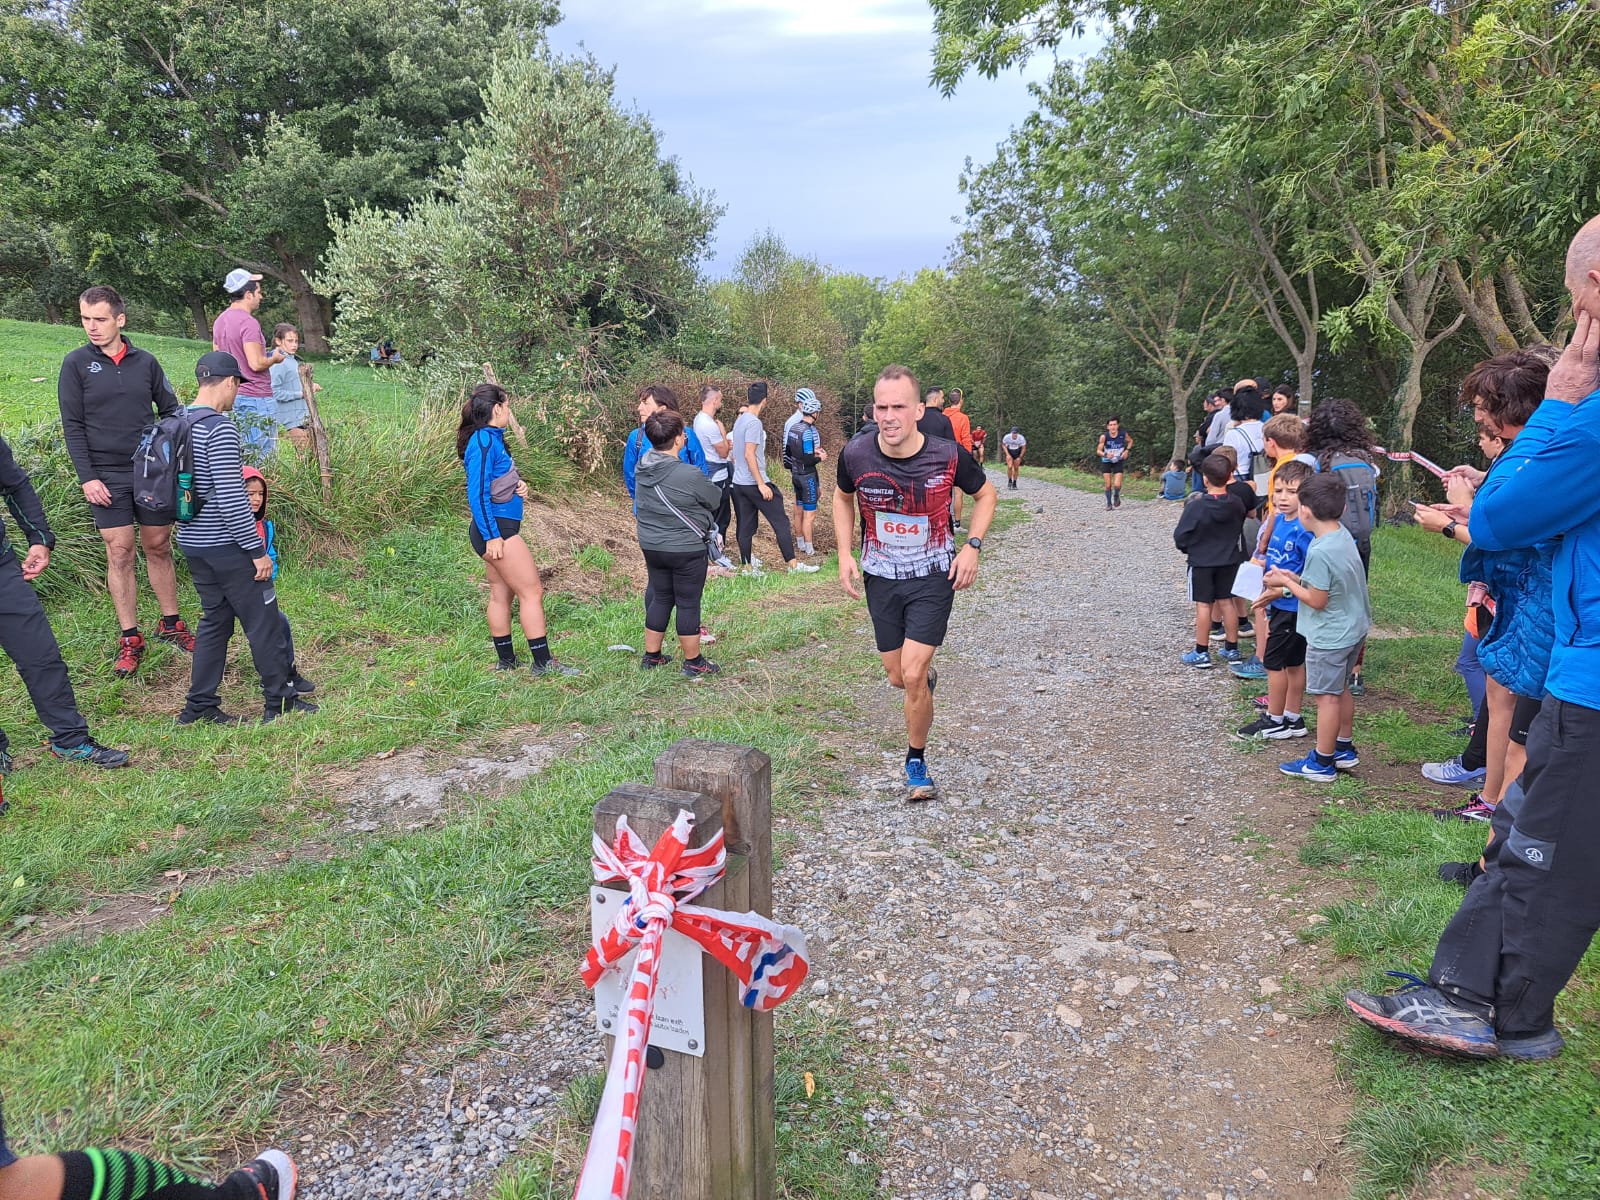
1285 654
1174 482
1334 618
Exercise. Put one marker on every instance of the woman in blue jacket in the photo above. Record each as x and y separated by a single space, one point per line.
495 493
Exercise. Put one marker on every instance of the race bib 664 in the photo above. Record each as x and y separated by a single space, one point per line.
901 529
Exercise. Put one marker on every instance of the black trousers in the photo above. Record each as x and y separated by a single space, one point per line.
677 581
747 502
1527 921
725 508
229 592
25 635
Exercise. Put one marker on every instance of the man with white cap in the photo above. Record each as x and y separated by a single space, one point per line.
237 332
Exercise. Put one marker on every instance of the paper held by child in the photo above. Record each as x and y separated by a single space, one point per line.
1247 581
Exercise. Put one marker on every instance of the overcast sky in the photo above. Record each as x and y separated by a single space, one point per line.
812 116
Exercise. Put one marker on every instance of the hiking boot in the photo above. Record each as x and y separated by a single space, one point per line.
1460 872
918 782
301 685
1451 773
1309 768
282 708
208 716
1258 729
1422 1015
1292 729
1473 810
653 660
1197 659
91 752
1250 668
1535 1047
700 669
554 667
177 634
130 651
271 1177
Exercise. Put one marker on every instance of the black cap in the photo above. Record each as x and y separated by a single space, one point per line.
218 364
756 393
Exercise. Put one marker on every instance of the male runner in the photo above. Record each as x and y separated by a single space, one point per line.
716 444
962 428
979 436
1015 447
1113 449
109 391
900 481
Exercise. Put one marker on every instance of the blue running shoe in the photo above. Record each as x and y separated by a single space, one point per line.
1535 1047
918 782
1250 668
1230 656
1424 1016
1346 758
1197 660
1309 768
91 751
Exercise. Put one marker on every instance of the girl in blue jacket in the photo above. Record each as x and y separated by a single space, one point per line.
495 493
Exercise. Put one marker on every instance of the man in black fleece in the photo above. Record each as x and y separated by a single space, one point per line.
228 561
25 633
109 391
1210 532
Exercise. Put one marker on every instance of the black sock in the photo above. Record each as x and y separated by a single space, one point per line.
122 1175
1232 646
1325 759
913 752
1344 744
133 632
503 648
1202 648
540 648
169 622
1216 627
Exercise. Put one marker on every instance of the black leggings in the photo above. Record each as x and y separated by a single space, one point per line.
747 502
677 581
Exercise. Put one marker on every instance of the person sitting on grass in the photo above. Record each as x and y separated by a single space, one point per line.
675 509
1208 533
1285 655
1334 617
125 1175
1174 482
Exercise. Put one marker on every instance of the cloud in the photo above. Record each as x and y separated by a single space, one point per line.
833 18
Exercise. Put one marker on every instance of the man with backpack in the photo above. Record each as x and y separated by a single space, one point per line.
25 633
227 558
108 391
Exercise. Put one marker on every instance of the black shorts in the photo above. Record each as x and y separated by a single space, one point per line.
910 610
1209 584
1522 718
508 529
805 492
1108 467
122 511
1285 647
1013 459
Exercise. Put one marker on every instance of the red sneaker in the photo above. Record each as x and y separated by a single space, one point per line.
128 656
178 635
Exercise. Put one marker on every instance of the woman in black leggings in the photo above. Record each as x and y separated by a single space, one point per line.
675 505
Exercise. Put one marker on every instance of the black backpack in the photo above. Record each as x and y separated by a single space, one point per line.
163 468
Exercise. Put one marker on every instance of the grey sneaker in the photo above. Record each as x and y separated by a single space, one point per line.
555 667
1421 1014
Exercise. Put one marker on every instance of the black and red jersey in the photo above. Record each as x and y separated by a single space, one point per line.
905 503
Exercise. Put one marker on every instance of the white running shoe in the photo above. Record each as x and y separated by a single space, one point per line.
801 568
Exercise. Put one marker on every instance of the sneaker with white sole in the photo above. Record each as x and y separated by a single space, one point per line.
1292 729
919 784
273 1176
1424 1016
1198 659
1231 656
1250 668
1309 768
1451 773
801 568
1345 757
1473 810
1258 729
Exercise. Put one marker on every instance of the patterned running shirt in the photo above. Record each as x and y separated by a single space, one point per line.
905 503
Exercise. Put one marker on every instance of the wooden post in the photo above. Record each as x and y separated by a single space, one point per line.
516 426
319 435
706 1126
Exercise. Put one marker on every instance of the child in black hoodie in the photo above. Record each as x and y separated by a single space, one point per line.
1211 533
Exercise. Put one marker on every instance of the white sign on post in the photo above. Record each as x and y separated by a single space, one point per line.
679 1022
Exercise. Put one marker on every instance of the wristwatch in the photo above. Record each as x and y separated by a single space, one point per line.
1449 530
976 543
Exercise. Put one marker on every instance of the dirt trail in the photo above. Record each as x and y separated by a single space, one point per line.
1080 966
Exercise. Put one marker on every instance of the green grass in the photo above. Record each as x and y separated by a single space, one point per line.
1519 1129
1133 487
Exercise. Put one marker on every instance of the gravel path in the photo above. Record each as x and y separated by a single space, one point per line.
1076 972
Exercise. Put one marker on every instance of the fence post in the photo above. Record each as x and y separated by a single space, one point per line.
743 1123
319 435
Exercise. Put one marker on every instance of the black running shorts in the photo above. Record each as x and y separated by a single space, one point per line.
1112 467
1209 584
1285 647
508 529
1522 718
910 610
122 511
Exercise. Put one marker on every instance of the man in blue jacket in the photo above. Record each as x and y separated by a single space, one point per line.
653 399
1527 921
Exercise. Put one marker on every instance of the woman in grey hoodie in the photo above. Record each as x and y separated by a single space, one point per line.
675 507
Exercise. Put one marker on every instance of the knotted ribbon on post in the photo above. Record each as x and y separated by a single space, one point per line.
768 959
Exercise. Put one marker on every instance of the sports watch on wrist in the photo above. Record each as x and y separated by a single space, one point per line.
1449 530
976 543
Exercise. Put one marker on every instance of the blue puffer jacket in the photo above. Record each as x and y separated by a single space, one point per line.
1516 649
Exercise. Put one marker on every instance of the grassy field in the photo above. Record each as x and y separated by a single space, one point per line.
293 965
1133 487
1518 1129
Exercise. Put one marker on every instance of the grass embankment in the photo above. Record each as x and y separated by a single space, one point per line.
1133 486
1521 1129
291 986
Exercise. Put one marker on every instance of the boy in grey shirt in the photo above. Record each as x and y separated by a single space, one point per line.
1335 614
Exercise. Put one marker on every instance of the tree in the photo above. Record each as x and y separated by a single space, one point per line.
563 240
234 130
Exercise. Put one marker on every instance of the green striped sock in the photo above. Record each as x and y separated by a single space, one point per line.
124 1175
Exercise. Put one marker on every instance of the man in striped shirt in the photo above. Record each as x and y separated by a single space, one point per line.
228 561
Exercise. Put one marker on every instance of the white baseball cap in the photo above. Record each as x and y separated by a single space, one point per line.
237 278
